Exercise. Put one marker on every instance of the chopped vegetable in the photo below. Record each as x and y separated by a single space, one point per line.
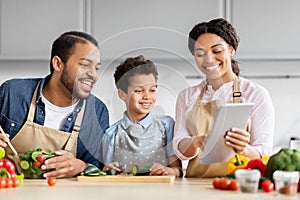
24 164
140 171
32 160
111 172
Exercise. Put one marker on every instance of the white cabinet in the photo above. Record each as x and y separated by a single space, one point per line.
269 29
29 27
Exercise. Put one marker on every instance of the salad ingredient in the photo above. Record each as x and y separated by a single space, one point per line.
267 186
237 162
284 160
51 181
257 164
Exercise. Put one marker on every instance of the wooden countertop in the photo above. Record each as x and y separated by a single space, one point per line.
71 189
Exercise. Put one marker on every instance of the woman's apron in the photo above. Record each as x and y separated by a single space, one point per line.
199 122
33 136
143 147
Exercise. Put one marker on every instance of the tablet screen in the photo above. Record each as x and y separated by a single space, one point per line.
229 115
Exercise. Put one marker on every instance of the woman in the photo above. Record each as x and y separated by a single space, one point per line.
213 45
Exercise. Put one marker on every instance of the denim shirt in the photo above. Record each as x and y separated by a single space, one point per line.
15 100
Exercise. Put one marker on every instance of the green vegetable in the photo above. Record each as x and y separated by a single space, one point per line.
286 160
101 173
35 154
30 157
24 164
91 169
2 153
140 171
111 172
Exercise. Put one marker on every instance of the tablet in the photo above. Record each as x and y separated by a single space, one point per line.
229 115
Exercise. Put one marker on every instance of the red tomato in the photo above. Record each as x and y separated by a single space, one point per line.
9 182
41 158
16 182
299 185
234 185
267 186
216 183
2 183
51 181
225 184
36 164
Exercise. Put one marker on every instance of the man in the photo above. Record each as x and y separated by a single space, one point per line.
48 112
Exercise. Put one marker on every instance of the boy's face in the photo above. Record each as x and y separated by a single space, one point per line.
140 97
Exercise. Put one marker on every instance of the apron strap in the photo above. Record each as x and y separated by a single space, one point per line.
74 134
236 90
32 108
76 128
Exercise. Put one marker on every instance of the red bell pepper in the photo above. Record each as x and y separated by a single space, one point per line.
257 164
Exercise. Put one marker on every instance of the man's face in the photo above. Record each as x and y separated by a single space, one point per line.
80 72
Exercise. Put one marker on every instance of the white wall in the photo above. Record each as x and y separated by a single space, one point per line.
268 51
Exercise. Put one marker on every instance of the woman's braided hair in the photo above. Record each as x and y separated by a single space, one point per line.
220 27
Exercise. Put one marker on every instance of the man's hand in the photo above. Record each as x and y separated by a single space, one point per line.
3 140
65 165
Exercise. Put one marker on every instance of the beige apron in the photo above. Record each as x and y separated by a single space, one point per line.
199 122
33 136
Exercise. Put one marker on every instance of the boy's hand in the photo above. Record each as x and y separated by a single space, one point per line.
113 165
158 169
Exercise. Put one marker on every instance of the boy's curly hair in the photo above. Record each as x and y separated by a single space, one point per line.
131 67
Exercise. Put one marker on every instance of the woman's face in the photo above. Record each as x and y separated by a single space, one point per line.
213 56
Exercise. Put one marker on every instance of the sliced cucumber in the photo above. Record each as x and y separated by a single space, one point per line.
35 154
24 164
140 171
111 172
91 169
101 173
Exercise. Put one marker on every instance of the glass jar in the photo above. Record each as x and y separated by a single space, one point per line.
286 182
294 143
248 180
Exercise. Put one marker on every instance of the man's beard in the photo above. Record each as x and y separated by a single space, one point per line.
69 84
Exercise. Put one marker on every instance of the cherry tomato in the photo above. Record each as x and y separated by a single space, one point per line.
267 186
51 181
9 182
224 185
16 182
233 185
216 183
2 183
41 158
299 185
36 164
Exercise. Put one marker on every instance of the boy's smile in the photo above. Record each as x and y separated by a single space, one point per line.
141 96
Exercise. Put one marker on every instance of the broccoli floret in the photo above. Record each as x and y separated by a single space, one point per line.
285 160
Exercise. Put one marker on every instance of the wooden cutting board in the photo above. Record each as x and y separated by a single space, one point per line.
127 178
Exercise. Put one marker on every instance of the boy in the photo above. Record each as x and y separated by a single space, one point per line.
140 138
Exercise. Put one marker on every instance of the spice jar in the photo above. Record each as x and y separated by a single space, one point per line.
248 180
286 182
